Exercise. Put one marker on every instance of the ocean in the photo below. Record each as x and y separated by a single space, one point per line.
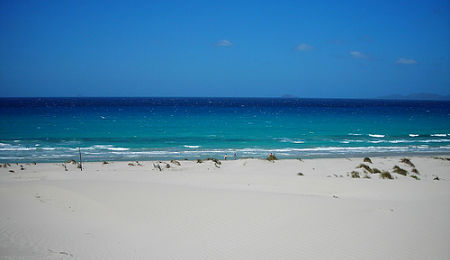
52 129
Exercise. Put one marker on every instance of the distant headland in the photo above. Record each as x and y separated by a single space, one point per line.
417 96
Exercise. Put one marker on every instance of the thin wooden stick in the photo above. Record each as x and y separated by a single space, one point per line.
81 163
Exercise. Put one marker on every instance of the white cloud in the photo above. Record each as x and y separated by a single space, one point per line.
224 43
358 55
406 61
304 47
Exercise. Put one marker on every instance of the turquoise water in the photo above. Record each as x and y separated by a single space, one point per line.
52 129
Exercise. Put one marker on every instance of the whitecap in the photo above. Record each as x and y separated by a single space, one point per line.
413 135
439 135
192 146
435 141
353 134
376 135
288 140
118 149
399 141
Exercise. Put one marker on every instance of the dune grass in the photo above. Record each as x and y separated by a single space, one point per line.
399 170
355 174
386 175
407 161
367 160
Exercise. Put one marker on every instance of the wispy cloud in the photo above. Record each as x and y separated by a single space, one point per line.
406 61
358 55
304 47
224 43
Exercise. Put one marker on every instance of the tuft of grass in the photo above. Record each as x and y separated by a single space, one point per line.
300 174
131 164
436 178
214 160
105 162
415 171
300 159
355 174
407 161
72 162
271 158
415 177
366 176
386 175
441 158
399 170
367 160
375 170
199 161
365 167
175 162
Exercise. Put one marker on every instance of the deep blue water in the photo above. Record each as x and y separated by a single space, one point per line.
51 129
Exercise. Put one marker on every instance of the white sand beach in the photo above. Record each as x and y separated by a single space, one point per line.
242 209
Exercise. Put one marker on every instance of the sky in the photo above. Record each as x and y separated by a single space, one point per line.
311 49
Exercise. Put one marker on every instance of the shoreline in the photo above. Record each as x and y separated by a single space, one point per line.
230 158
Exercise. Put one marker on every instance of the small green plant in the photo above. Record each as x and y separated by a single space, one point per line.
407 161
399 170
367 160
131 164
355 174
366 176
375 170
415 171
214 160
300 174
175 162
199 161
72 162
386 175
365 167
415 177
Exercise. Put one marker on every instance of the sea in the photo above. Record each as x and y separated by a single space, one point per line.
161 128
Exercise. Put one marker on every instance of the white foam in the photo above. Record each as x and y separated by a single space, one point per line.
118 149
399 141
435 141
99 147
353 134
16 148
192 146
413 135
376 135
287 140
439 135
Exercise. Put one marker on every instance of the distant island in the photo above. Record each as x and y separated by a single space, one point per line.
288 96
417 96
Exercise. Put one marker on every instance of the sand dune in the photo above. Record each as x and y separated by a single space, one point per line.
246 209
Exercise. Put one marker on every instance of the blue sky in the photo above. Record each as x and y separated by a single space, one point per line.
337 49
